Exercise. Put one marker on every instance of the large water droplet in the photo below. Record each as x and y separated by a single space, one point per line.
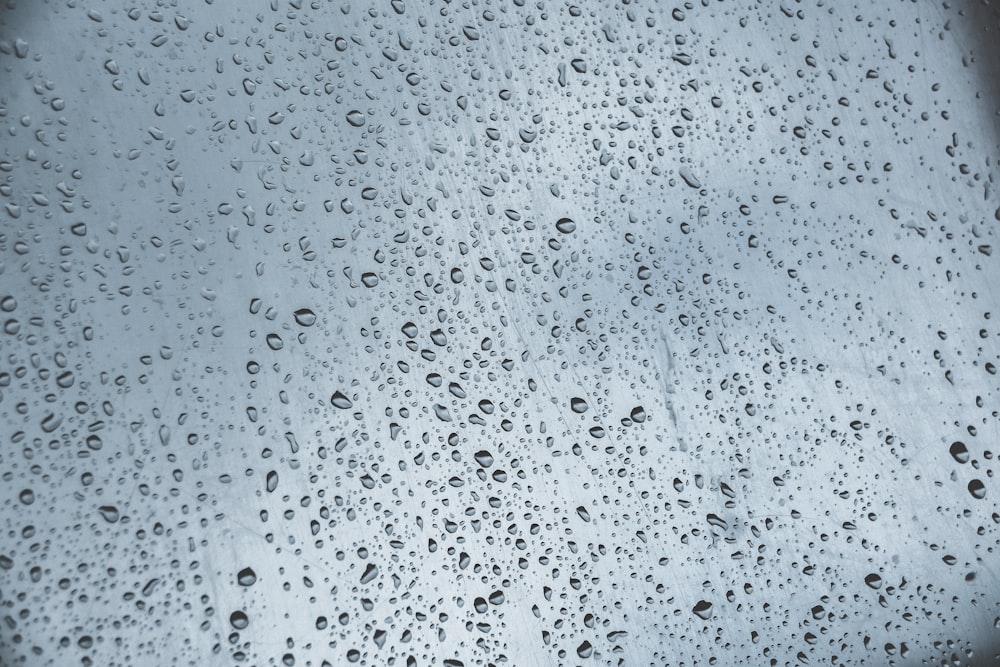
109 513
246 577
339 400
565 225
305 317
355 118
703 609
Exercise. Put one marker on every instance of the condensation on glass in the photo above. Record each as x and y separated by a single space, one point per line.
499 333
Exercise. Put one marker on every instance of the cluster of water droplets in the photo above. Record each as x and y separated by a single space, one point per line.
498 333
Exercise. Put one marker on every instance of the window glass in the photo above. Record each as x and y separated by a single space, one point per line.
499 332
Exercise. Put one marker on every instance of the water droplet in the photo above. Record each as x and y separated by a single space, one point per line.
370 573
109 513
339 400
689 177
703 610
239 620
305 317
566 225
274 341
355 118
246 577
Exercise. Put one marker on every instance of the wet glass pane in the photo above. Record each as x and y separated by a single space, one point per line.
499 333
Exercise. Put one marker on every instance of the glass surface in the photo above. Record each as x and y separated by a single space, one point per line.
499 333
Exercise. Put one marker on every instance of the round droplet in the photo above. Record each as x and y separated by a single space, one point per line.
959 452
8 304
246 577
873 581
638 414
274 341
565 225
977 489
27 497
305 317
457 276
355 118
239 620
